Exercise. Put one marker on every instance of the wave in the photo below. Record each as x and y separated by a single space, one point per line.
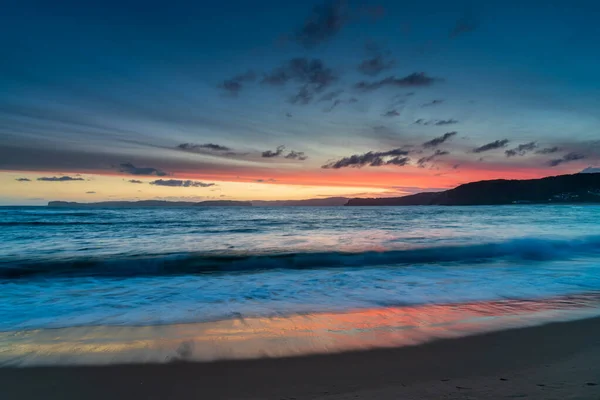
198 263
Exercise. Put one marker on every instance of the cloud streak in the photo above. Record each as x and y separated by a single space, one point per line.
59 179
422 162
436 122
131 169
413 80
23 180
180 183
192 147
272 154
566 158
372 158
439 140
521 149
491 146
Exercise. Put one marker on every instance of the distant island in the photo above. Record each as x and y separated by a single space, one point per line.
326 202
577 188
152 203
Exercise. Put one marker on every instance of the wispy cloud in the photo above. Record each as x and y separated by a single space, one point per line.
272 154
234 85
439 140
521 149
23 180
131 169
202 147
135 181
433 103
59 179
377 61
311 74
422 162
180 183
436 122
566 158
415 79
296 155
292 155
391 113
548 150
372 158
90 192
324 22
491 146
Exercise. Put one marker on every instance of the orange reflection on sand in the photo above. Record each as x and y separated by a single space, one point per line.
285 336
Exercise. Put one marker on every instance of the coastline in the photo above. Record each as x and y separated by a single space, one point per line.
557 360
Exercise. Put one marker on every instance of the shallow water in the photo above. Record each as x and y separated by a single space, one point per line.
125 268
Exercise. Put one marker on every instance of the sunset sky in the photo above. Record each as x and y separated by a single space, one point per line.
245 100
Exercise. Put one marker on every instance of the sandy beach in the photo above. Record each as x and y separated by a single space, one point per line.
554 361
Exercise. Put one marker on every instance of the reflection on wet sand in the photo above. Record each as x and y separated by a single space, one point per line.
284 336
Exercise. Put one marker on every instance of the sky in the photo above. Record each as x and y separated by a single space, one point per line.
264 100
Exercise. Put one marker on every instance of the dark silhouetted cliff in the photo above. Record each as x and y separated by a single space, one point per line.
578 188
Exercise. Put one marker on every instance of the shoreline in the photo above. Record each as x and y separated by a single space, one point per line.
557 360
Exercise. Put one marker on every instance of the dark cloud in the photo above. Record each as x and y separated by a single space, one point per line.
446 122
415 79
180 183
372 158
134 181
322 24
465 24
90 192
289 115
436 122
439 140
398 161
312 74
271 153
59 179
296 155
422 162
491 146
548 150
131 169
391 113
566 158
270 180
521 149
433 103
202 147
23 180
375 65
234 85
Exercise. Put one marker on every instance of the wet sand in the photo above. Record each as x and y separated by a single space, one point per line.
555 361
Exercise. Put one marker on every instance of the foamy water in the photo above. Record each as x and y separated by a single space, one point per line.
82 285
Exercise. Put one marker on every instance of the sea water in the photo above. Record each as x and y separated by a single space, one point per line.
93 285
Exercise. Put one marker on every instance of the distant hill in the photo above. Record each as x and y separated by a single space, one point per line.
577 188
330 201
152 203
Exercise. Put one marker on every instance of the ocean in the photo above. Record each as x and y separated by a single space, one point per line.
98 286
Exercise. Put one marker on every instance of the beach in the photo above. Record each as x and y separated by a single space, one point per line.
553 361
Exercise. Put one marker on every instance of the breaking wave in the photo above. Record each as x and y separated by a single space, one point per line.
530 249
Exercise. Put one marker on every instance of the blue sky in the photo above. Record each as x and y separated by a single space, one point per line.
89 86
